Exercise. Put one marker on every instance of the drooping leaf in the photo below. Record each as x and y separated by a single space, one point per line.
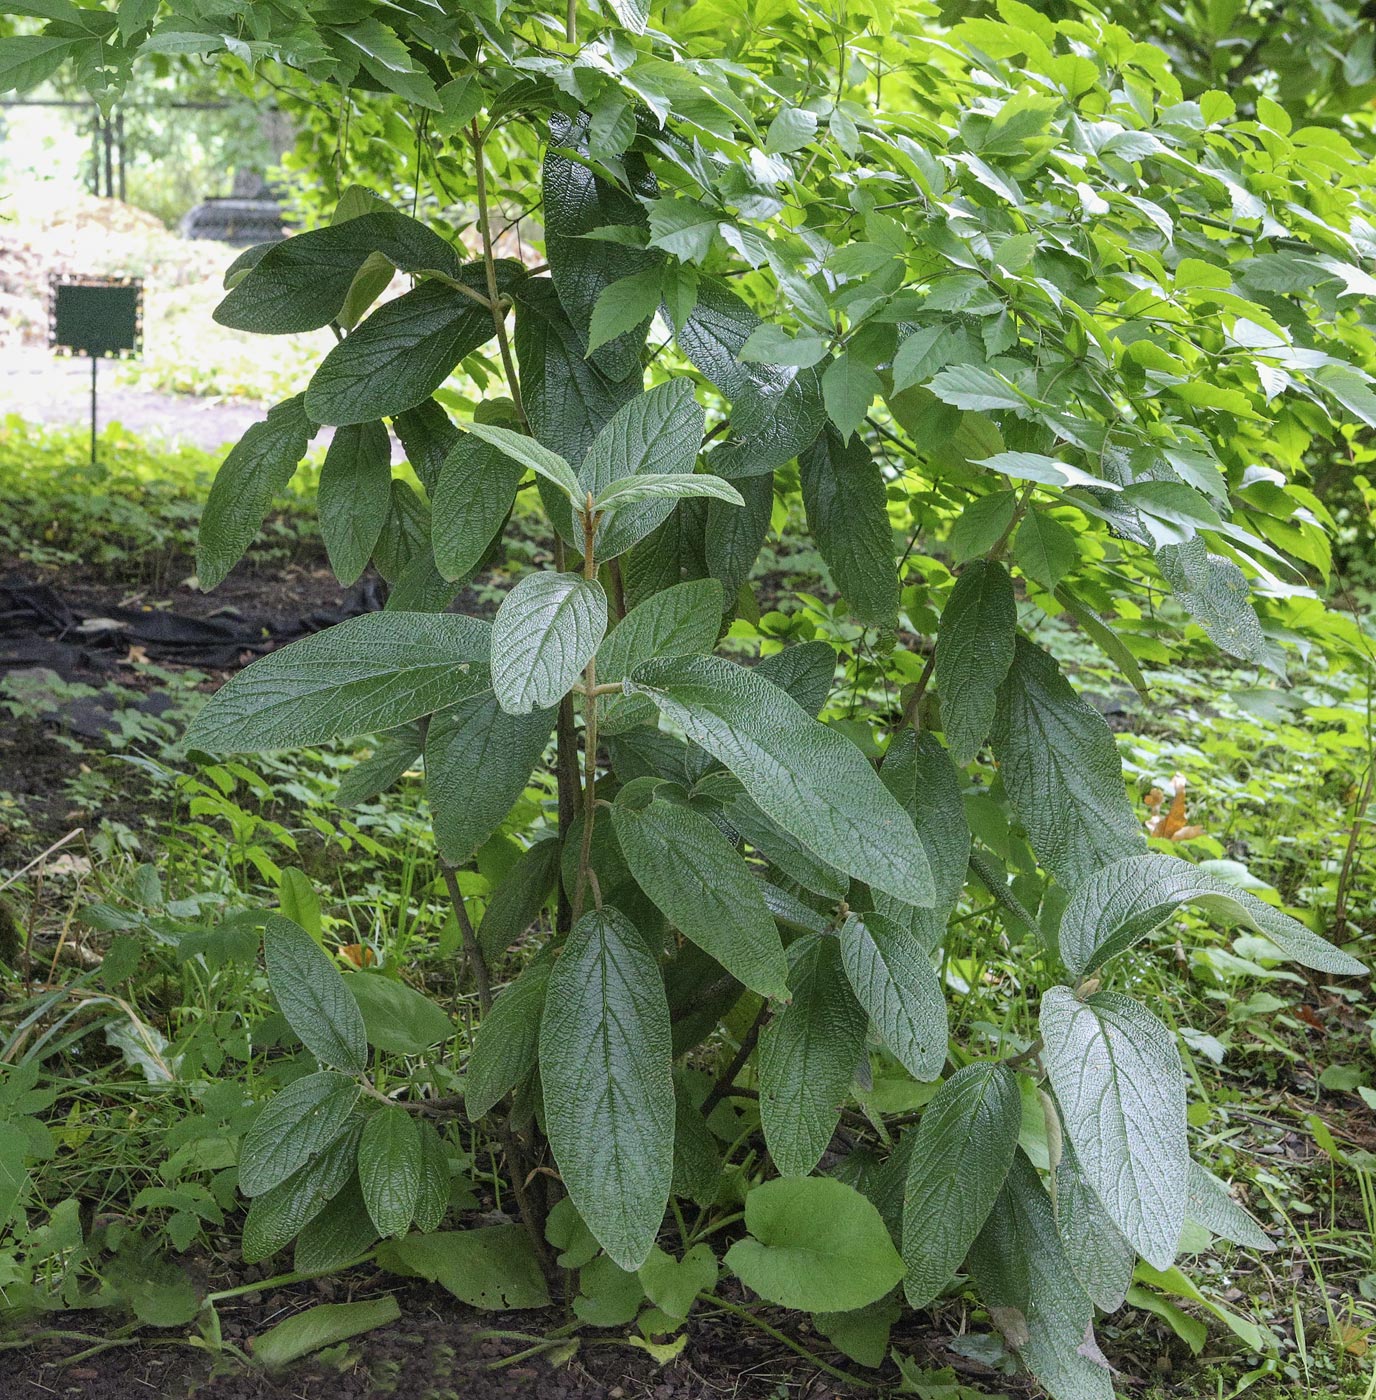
428 436
1209 1203
355 496
965 1143
816 785
608 1094
974 649
507 1042
492 1267
815 1244
680 621
277 1216
397 1018
477 485
478 760
372 672
1099 1255
1025 1280
517 901
893 979
256 471
396 751
1044 549
1061 770
303 282
690 870
432 1200
1121 1091
808 1055
734 535
401 354
845 499
546 631
389 1169
341 1232
1130 898
312 996
296 1124
805 671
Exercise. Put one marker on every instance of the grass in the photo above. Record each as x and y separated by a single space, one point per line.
134 1010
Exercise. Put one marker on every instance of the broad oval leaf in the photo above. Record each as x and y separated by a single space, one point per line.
546 631
276 1217
476 487
1023 1276
296 1124
389 1169
816 1245
605 1055
506 1044
1131 898
809 779
478 760
1121 1090
693 873
372 672
257 470
517 901
355 496
965 1143
680 621
1061 770
808 1055
312 996
893 979
397 1018
974 649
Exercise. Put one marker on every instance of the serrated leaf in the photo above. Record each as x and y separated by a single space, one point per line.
476 487
680 621
815 1244
546 631
624 306
849 387
372 672
1061 770
965 1142
1025 1280
256 471
975 387
608 1093
401 354
355 496
791 130
1213 590
846 503
975 644
397 1018
478 739
893 979
1121 1091
703 887
1130 898
815 784
525 451
312 996
807 1056
1044 549
296 1124
432 1201
507 1042
389 1168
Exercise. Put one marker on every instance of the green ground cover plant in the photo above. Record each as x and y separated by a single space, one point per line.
1035 341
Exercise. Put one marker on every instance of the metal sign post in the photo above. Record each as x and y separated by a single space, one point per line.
101 317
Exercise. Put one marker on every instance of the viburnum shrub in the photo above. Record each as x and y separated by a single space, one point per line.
999 287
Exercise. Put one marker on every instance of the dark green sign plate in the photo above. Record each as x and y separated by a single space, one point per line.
97 316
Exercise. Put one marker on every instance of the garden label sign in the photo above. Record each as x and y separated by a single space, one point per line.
101 317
